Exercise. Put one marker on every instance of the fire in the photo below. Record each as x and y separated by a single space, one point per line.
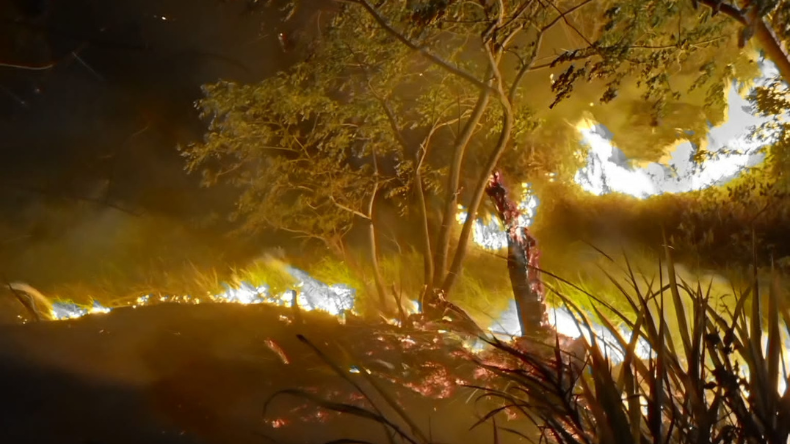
730 151
491 235
70 310
335 299
729 146
607 170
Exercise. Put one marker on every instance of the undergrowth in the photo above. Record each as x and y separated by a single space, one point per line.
713 372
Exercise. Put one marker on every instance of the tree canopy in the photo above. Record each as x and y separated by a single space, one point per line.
414 104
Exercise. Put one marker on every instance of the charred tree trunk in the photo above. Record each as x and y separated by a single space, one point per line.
522 260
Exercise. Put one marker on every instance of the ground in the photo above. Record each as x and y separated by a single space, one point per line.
201 374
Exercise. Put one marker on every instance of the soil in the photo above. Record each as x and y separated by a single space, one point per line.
202 373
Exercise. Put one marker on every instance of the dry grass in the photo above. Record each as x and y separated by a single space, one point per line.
714 374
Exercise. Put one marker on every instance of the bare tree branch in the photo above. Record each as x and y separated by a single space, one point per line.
762 31
49 65
563 15
729 10
350 210
525 67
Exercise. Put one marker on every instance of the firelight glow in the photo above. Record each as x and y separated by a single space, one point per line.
607 171
731 151
313 295
491 235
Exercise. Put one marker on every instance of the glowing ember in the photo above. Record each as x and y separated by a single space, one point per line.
438 384
273 346
277 423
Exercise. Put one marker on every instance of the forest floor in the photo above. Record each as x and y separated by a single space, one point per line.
174 373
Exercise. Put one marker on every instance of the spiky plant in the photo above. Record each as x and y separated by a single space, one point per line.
708 378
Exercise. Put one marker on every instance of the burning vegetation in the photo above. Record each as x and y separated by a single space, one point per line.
379 148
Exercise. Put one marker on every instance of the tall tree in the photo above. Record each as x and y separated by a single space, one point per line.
313 149
394 100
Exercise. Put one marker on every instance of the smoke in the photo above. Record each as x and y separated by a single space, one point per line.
58 246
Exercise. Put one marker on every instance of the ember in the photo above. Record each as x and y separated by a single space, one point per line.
278 350
277 423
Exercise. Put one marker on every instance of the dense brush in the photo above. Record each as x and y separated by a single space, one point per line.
713 377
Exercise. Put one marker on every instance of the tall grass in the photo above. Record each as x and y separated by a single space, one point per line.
714 373
717 376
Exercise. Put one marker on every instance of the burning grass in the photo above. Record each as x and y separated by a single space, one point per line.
668 360
483 290
718 376
673 367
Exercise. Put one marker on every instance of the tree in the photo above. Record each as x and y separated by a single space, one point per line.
386 85
315 148
765 20
642 35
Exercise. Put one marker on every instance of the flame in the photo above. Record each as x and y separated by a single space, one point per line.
730 148
491 235
730 151
607 170
70 310
313 295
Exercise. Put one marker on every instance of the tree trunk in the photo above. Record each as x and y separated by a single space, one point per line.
765 35
420 157
372 239
477 197
427 255
453 181
772 46
522 260
506 100
374 262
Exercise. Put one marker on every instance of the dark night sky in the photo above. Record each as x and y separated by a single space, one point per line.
119 108
99 128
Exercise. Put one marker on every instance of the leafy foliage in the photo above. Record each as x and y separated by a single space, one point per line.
773 100
747 214
386 89
650 42
301 145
